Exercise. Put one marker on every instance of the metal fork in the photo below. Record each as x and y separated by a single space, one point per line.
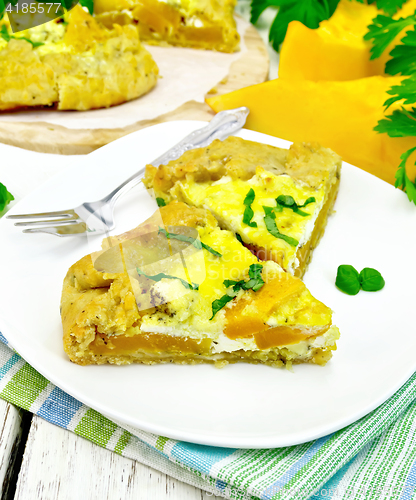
97 216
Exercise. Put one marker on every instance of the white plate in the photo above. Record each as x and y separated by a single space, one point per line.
242 405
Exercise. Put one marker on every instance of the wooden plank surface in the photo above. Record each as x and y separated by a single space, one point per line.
58 465
12 432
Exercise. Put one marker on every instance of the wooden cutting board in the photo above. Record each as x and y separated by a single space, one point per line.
251 68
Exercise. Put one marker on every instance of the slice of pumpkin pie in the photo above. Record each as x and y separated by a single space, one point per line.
179 289
276 201
199 24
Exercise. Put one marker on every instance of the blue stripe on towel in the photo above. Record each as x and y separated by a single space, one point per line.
59 408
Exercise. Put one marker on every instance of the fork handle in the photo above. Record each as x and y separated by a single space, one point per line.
221 126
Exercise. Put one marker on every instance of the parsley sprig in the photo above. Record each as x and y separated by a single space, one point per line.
188 239
161 276
402 180
406 91
383 30
403 56
269 220
248 211
254 283
401 122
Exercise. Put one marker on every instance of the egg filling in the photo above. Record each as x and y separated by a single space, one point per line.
276 201
121 305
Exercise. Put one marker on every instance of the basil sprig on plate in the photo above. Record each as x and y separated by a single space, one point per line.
248 211
270 222
254 283
188 239
349 281
289 202
161 276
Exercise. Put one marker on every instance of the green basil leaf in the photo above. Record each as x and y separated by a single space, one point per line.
160 202
348 279
311 199
371 280
161 276
269 220
285 201
218 304
239 238
5 197
228 283
255 271
188 239
288 202
248 211
248 215
254 283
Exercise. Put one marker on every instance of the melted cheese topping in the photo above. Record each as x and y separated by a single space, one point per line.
225 199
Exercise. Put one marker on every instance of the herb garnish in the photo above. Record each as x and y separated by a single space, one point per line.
384 30
289 202
239 238
270 222
371 280
161 276
7 36
160 202
248 211
5 197
402 180
254 283
188 239
402 122
349 281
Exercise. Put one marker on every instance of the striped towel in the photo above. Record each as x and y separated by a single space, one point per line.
374 458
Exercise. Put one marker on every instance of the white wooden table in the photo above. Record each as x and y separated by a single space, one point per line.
41 461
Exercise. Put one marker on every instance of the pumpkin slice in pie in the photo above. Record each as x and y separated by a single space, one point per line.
276 201
179 289
200 24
